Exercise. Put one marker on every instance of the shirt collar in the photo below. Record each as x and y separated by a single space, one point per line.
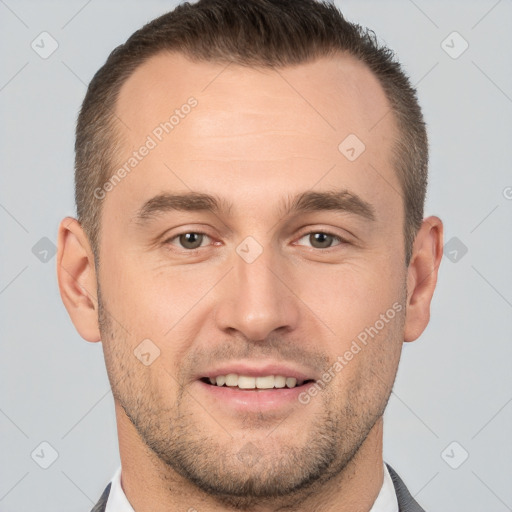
386 500
117 500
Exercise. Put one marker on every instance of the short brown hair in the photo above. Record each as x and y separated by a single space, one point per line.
258 33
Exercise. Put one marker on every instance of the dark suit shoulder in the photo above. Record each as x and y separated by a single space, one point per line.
406 503
102 503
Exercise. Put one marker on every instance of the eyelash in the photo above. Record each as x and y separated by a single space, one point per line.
340 240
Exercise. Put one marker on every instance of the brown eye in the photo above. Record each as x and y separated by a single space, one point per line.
191 240
321 240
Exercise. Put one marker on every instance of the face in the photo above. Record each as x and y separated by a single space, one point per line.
247 249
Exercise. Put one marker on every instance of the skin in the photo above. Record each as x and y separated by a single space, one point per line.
255 138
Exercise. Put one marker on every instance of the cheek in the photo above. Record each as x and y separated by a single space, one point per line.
366 363
157 311
148 300
351 297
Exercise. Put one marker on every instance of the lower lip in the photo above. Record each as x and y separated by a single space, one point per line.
257 400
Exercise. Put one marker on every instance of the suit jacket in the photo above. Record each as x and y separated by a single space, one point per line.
406 503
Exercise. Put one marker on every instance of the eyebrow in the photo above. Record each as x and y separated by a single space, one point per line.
341 201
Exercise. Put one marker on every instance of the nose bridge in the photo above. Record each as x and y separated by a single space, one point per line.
257 301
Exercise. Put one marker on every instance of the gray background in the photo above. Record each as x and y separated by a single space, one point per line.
454 384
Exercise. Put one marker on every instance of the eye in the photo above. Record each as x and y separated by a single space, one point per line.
322 240
190 241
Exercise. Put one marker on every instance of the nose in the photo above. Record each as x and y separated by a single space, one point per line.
257 298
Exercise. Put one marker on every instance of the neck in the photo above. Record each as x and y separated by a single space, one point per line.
152 486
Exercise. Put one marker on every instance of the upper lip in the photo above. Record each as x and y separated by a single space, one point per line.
252 369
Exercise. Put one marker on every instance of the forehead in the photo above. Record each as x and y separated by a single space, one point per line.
249 127
328 94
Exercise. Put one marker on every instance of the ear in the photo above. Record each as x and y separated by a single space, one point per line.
76 274
422 276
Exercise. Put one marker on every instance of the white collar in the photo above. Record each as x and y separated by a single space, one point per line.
386 500
117 500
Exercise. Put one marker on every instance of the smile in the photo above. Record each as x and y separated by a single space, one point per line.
247 382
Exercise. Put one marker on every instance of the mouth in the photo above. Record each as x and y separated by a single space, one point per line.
245 387
255 383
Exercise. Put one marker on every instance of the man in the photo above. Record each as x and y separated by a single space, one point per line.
251 251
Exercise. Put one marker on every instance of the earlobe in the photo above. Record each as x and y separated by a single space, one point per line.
422 276
76 274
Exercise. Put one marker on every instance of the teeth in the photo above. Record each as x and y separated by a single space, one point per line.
246 382
263 382
232 379
291 382
279 381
